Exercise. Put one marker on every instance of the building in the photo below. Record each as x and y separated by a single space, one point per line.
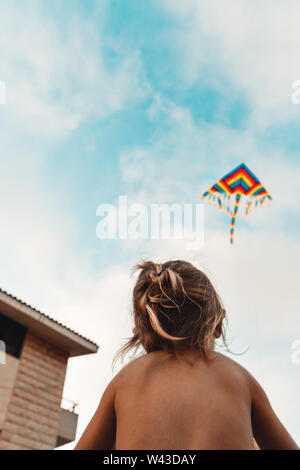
34 354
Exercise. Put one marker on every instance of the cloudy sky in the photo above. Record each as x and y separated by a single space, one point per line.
154 100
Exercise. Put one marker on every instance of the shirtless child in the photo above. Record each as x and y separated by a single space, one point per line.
181 394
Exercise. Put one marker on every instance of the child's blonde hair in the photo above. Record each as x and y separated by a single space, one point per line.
175 308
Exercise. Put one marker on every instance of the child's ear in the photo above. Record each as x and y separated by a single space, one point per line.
218 330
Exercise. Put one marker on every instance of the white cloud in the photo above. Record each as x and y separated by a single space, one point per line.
254 44
56 77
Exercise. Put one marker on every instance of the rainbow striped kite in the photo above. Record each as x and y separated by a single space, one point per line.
239 182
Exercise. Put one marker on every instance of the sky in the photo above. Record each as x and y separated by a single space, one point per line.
156 101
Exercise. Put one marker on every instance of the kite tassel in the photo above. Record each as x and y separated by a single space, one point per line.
248 207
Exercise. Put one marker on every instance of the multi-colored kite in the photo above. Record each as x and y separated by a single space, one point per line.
230 189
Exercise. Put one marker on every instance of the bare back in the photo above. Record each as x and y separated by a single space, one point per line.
160 402
166 403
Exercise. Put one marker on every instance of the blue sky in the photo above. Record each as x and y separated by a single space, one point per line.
156 101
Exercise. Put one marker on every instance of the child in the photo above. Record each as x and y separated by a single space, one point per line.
181 394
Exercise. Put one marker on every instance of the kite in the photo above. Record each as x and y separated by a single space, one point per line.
228 192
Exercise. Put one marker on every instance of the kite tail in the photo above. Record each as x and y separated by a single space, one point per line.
235 211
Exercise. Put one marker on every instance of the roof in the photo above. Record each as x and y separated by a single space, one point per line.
45 327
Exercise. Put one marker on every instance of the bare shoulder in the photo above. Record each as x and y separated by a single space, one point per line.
233 367
255 389
140 366
229 363
136 367
149 360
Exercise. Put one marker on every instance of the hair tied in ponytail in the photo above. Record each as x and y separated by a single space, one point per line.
175 308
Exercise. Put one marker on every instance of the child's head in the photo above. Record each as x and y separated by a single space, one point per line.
175 308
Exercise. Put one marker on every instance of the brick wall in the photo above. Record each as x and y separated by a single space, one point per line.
32 417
